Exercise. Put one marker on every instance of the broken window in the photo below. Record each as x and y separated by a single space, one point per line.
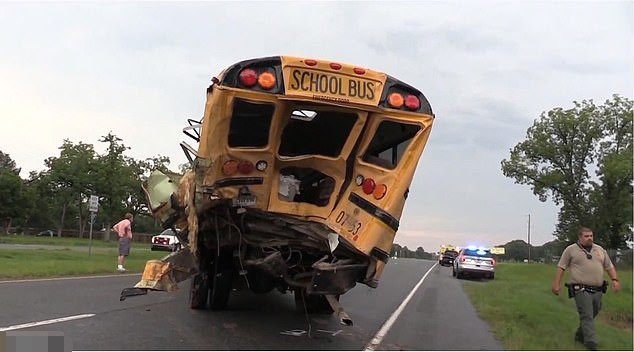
389 143
305 185
320 132
250 123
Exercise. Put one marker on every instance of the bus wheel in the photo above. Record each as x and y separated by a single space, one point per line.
222 281
316 304
199 291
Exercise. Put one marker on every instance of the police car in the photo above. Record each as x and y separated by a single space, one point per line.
474 261
166 241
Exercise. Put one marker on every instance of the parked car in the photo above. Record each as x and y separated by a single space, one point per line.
48 233
166 241
474 261
447 257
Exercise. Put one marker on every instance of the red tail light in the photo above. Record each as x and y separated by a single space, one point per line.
248 77
245 167
412 102
368 186
462 258
492 261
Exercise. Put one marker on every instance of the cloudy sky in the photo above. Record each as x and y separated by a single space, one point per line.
78 71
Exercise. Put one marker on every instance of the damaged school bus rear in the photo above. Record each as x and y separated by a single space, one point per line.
298 183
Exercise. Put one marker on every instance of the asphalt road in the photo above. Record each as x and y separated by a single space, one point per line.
438 316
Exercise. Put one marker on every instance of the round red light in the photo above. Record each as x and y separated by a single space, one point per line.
248 77
310 62
412 102
368 186
335 66
245 167
358 70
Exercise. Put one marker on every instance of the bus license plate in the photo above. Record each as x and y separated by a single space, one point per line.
244 201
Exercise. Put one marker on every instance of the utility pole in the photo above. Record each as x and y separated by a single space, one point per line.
529 238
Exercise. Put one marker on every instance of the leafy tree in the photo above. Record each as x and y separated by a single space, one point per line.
71 176
15 199
555 158
7 164
114 181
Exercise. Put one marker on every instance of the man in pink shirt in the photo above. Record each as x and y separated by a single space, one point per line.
124 229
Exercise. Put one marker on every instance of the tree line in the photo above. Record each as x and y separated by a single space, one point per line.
581 159
57 197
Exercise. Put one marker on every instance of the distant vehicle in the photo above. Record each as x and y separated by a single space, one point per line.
447 257
474 261
166 241
48 233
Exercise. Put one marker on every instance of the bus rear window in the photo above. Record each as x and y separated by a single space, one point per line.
389 143
250 124
320 132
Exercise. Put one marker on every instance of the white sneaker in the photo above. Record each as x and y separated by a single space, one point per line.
121 270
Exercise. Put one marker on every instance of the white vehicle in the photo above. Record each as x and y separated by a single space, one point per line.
166 241
474 261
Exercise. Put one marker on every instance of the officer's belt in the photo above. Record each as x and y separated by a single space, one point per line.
587 288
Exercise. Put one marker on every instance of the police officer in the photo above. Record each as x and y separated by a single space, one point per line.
586 262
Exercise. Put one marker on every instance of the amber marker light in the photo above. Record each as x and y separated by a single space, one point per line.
395 100
230 168
379 191
266 80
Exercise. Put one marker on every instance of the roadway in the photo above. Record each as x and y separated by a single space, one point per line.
437 317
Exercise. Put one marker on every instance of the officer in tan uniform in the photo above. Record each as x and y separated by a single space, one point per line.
586 262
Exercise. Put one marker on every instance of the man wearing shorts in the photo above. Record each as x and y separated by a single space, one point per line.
124 229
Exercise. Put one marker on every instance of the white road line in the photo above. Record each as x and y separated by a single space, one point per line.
376 341
67 278
46 322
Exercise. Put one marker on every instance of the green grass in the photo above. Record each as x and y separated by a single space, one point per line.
66 241
524 314
25 263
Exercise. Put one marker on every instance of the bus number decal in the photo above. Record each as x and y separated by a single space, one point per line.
349 223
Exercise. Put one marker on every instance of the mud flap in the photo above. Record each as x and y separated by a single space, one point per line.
164 274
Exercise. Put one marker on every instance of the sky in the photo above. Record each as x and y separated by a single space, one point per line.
489 69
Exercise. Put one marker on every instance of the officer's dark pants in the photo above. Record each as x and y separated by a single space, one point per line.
588 306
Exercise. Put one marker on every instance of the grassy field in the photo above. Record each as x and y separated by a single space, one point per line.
65 241
27 263
525 315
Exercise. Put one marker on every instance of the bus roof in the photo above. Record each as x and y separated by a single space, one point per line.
327 81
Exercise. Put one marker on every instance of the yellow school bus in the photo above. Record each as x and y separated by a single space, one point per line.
298 182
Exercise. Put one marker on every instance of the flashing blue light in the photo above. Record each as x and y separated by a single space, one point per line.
472 248
481 252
